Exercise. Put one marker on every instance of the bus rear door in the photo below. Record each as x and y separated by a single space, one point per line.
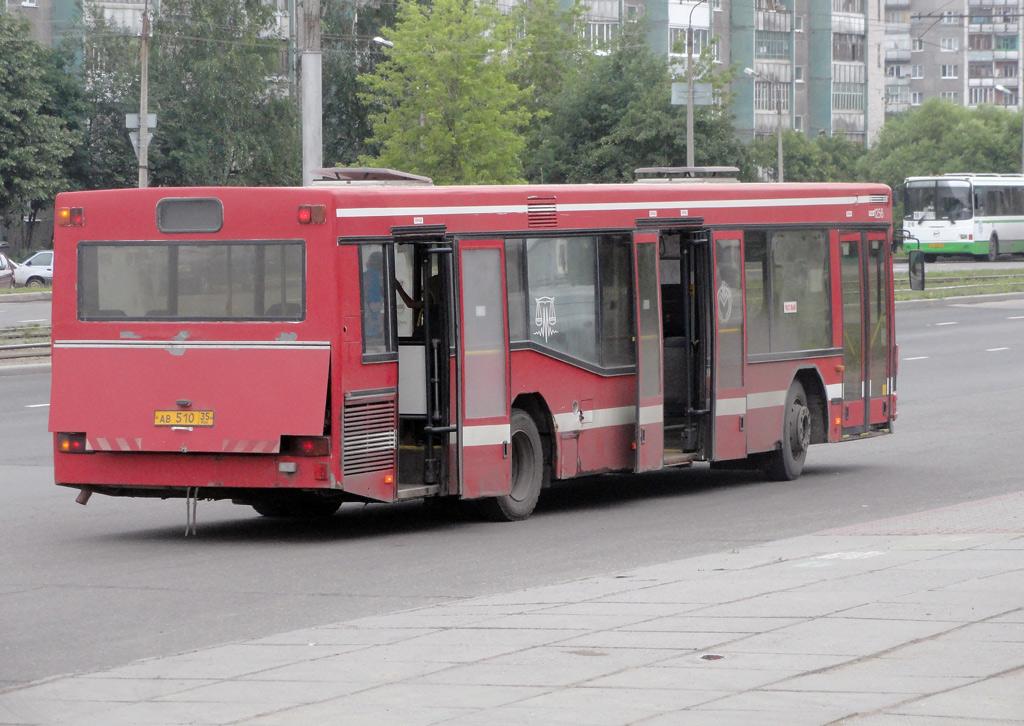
650 410
730 407
866 331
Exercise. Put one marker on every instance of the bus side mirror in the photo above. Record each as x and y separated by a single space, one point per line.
916 259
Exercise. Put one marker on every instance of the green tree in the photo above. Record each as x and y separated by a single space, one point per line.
821 159
348 52
940 137
219 119
35 140
110 78
447 107
617 115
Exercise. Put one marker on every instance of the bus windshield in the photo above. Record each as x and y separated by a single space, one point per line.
933 199
234 280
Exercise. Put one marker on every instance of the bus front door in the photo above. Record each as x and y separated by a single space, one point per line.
867 385
485 430
730 407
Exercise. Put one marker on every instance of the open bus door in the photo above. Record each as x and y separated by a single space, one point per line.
425 364
485 430
730 408
866 331
650 408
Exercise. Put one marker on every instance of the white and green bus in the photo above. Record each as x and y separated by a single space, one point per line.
965 214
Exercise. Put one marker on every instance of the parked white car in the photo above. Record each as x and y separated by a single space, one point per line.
36 271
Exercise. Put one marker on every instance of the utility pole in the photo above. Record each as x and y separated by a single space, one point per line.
311 89
144 101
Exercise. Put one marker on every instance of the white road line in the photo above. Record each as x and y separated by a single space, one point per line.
34 320
938 324
993 350
920 357
1016 317
37 405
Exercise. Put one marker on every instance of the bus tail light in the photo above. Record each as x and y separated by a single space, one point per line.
312 214
72 444
70 217
305 445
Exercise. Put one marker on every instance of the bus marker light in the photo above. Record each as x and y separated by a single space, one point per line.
71 443
305 445
312 214
70 217
389 479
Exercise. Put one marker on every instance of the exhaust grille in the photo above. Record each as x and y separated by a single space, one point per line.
878 198
541 213
368 436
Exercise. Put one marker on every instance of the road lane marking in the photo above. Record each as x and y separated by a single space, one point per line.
920 357
37 405
994 350
1016 317
951 323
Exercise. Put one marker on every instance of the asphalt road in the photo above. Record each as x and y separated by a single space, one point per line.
83 588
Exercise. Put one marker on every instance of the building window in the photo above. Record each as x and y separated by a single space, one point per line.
916 98
897 94
949 71
768 96
916 45
599 35
897 71
917 71
979 95
798 74
1005 42
772 45
979 42
897 16
1008 70
980 70
701 38
951 96
848 6
847 47
949 44
798 123
950 18
848 96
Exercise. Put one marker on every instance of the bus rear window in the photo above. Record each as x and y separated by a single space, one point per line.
192 281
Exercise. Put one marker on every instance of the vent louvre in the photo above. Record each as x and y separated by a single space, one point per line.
368 437
541 213
878 198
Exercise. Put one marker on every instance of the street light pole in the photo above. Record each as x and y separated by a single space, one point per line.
778 108
689 85
1009 94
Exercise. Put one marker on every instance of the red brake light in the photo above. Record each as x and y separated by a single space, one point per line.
306 445
70 217
72 444
312 214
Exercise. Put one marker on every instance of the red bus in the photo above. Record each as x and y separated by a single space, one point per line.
375 338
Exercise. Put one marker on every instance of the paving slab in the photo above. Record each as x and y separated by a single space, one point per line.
910 620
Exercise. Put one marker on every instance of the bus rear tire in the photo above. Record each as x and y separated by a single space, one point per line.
993 249
930 258
527 473
787 462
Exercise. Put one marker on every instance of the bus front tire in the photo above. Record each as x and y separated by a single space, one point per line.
527 466
993 249
786 462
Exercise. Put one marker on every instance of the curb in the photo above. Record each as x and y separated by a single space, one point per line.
21 369
26 296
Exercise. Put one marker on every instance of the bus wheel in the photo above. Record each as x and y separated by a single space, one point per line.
993 248
786 462
930 258
527 473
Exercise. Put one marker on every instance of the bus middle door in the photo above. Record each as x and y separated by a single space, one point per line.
485 426
425 364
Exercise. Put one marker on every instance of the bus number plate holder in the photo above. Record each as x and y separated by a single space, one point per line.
183 418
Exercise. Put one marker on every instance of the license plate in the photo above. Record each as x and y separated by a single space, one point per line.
183 418
936 244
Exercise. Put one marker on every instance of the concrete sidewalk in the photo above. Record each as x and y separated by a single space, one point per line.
915 621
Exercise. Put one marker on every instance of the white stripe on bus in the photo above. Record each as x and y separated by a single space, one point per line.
195 344
682 208
486 435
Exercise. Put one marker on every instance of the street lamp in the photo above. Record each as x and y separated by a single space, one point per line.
689 85
385 43
1009 94
778 108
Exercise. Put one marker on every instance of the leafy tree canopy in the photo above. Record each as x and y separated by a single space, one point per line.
822 159
617 115
35 140
218 121
940 137
447 107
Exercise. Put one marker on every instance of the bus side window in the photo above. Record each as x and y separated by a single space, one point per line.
374 300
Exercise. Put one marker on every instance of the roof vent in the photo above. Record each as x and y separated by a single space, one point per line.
686 174
368 176
541 212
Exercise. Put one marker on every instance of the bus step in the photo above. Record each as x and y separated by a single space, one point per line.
678 458
416 491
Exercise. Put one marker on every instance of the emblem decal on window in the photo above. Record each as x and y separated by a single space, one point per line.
544 318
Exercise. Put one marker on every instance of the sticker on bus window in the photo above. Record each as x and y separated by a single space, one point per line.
544 317
789 307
